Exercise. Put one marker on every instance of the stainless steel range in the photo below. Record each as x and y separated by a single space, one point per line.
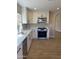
42 33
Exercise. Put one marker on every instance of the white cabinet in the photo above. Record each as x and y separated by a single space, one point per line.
33 16
24 15
42 14
19 52
29 41
34 35
30 16
19 22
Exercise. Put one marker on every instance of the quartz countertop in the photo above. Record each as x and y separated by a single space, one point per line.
21 37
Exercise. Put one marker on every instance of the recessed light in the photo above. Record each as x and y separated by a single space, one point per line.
35 8
57 8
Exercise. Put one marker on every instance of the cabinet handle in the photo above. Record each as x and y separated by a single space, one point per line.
19 50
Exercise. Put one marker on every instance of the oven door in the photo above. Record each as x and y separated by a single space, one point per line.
42 34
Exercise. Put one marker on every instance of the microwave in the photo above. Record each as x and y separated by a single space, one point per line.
42 20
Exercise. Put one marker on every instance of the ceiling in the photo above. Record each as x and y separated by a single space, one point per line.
45 5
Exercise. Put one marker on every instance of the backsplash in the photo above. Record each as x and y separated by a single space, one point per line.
29 26
26 26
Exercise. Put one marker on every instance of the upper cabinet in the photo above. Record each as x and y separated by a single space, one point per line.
42 14
19 9
45 14
31 16
24 15
34 15
23 11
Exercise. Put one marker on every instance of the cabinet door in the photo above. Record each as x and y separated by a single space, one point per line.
39 14
19 52
29 40
34 36
42 14
35 15
19 22
31 35
24 48
30 16
24 15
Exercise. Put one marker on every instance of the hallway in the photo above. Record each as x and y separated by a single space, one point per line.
46 49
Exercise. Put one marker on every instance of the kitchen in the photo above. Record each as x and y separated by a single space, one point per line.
34 23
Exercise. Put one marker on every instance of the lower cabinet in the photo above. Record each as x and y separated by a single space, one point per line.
29 41
34 33
24 48
19 52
